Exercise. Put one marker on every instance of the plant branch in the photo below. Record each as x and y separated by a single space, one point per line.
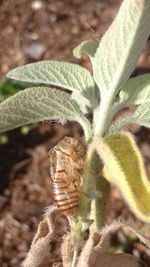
86 127
94 190
105 115
98 206
75 256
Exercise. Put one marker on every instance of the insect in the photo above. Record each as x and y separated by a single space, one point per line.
66 166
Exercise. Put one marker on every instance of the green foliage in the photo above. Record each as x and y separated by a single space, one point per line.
117 53
86 47
124 167
121 123
62 74
119 49
136 91
9 87
141 116
37 104
113 59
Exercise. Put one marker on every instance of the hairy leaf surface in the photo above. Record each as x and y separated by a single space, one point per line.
136 91
67 75
124 167
120 47
86 47
37 104
141 116
121 123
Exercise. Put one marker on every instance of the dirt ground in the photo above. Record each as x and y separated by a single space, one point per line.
32 31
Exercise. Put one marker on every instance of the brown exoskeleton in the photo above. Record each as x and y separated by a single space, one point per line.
66 166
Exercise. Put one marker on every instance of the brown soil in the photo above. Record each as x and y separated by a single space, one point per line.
31 31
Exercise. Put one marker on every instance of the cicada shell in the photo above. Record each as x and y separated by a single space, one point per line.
66 166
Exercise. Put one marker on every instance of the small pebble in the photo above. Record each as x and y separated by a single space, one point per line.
36 5
35 50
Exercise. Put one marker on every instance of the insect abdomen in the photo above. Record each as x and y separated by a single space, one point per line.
66 197
67 162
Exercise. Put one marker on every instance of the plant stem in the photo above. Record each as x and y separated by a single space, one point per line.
98 205
105 115
88 186
94 184
86 127
94 190
75 255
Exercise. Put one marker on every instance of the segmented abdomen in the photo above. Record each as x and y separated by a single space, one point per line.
66 196
66 166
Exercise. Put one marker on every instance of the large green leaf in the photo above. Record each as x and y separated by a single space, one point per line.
37 104
136 91
67 75
124 167
120 47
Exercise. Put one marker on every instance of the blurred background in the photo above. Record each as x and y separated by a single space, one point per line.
33 30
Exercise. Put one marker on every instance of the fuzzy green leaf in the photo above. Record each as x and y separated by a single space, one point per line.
37 104
141 116
121 123
124 167
136 91
120 47
67 75
86 47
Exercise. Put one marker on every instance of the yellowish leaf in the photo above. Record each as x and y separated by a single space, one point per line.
125 168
